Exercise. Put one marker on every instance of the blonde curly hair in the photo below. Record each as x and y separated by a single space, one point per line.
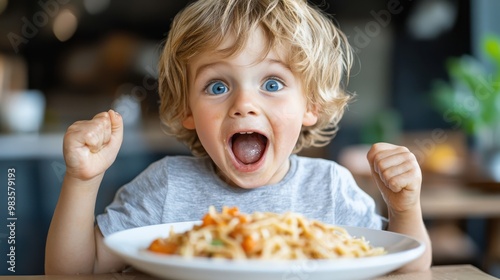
318 52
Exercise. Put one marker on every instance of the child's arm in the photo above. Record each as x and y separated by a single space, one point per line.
74 245
398 176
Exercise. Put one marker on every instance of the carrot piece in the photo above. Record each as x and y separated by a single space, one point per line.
233 211
248 244
243 219
160 246
208 220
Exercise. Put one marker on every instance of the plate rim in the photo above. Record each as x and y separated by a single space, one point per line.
262 266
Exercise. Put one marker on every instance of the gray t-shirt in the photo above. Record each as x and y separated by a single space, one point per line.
181 188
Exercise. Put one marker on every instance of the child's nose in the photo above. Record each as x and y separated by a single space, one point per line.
244 104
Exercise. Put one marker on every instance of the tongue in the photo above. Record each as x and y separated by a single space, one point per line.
248 148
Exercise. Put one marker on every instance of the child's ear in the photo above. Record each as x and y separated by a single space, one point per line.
188 121
310 116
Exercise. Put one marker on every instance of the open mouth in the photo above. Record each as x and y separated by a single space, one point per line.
248 147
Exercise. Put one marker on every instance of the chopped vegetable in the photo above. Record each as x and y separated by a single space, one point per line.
248 244
217 242
160 246
208 220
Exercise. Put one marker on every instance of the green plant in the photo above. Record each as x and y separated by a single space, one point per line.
471 98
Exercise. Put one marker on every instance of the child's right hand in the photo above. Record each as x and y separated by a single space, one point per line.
90 147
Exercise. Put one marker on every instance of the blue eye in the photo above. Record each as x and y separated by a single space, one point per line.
216 88
272 85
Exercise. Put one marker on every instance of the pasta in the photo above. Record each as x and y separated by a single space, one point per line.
233 235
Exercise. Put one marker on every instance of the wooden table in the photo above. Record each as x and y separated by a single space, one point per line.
452 272
458 201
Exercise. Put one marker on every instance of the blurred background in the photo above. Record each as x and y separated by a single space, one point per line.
427 75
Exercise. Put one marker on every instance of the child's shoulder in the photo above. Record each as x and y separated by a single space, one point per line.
181 161
177 168
318 166
312 162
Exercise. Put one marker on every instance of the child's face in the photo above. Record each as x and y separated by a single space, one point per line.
247 112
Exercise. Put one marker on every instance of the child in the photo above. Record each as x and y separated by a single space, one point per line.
245 84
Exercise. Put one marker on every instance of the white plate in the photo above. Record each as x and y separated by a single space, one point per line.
130 246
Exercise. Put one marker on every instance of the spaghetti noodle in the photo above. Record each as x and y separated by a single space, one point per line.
234 235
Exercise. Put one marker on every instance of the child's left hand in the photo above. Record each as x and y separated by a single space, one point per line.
397 174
